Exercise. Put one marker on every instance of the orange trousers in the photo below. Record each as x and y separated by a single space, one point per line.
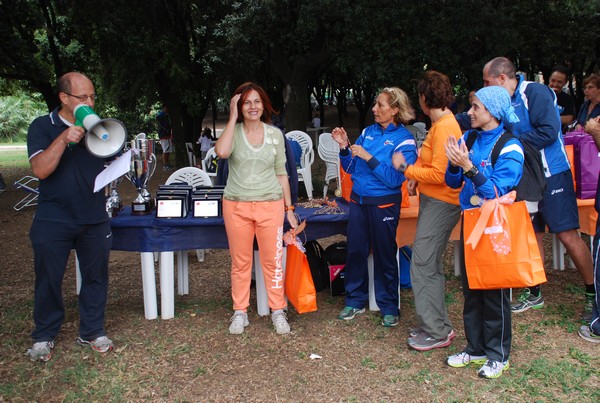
244 221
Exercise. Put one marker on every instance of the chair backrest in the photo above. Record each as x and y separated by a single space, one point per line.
210 155
327 142
191 175
308 154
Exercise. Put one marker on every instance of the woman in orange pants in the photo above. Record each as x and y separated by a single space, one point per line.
255 201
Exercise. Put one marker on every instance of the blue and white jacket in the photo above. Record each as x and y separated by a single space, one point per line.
504 175
378 182
539 124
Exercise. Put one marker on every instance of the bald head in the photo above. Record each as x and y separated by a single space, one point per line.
65 82
73 89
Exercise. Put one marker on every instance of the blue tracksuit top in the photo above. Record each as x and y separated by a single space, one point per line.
378 182
504 175
539 124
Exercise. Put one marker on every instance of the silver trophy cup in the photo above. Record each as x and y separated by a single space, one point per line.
143 164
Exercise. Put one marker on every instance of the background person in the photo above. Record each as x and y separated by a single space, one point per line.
591 332
486 313
69 216
256 198
566 107
439 212
375 203
591 106
205 140
165 134
2 184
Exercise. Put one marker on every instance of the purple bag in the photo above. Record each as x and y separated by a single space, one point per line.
587 167
574 137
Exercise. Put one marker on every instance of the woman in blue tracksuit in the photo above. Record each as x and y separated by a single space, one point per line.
375 203
486 313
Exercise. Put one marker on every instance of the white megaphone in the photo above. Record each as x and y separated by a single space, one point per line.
104 137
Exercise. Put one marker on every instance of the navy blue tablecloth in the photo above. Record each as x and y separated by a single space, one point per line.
150 234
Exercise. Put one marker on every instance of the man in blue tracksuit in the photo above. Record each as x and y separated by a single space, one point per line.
375 204
539 125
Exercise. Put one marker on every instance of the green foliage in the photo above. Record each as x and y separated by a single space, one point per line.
16 113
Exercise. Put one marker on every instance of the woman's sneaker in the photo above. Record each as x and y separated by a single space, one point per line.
348 313
239 321
424 342
280 322
493 369
527 301
41 351
463 359
586 334
100 344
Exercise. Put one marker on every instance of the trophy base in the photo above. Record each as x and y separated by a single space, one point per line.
116 210
140 208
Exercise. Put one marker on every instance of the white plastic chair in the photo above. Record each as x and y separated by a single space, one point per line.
194 177
306 160
189 147
210 154
30 185
329 152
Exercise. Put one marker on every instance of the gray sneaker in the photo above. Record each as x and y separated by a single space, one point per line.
586 334
100 344
348 313
425 342
586 314
527 301
280 322
239 321
41 351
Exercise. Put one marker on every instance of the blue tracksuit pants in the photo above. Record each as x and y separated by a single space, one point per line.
372 228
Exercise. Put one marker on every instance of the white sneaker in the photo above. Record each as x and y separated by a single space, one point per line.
280 322
41 351
463 359
239 321
493 369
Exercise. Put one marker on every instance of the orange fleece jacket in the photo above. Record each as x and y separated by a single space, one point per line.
431 166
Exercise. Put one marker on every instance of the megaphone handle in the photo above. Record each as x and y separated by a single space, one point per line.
77 123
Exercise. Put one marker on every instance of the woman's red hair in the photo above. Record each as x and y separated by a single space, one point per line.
244 90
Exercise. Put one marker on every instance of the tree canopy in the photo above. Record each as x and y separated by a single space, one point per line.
191 54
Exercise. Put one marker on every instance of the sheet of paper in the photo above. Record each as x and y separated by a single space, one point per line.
115 170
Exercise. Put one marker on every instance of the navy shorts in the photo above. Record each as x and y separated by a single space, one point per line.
558 209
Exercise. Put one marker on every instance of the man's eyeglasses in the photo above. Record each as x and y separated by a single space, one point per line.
83 98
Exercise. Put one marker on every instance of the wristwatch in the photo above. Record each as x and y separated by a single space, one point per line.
403 167
471 172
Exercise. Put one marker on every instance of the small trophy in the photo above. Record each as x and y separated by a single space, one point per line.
143 164
113 201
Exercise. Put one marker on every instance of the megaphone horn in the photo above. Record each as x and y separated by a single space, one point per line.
104 137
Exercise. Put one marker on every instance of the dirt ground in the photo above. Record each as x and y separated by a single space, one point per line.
193 358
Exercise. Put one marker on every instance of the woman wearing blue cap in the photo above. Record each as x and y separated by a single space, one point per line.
486 313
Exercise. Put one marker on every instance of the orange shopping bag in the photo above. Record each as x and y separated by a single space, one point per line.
501 250
346 184
299 286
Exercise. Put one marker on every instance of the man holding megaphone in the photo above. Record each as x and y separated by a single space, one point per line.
69 216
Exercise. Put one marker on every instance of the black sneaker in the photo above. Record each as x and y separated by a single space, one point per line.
527 301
